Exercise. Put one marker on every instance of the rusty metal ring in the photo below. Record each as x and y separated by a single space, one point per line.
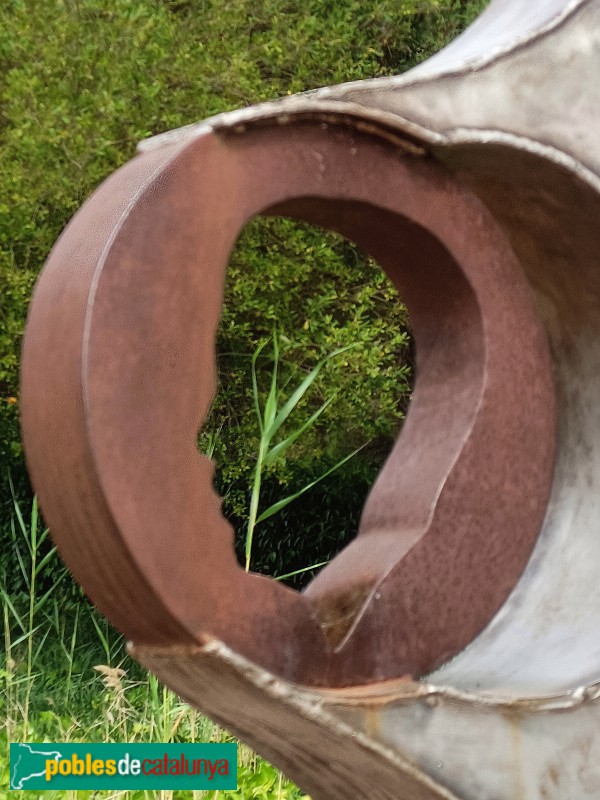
119 373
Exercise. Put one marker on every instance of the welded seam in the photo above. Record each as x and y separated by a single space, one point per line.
380 695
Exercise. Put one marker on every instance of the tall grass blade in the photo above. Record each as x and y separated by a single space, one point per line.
34 525
271 404
290 498
71 655
103 639
38 649
42 537
255 396
42 600
295 398
22 526
299 393
254 500
279 449
9 604
17 551
27 635
41 564
300 571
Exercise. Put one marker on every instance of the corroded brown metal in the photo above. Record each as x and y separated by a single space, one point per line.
121 335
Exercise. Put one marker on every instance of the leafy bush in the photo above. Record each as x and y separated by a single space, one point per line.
81 81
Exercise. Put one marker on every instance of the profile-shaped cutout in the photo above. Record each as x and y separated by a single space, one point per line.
348 323
453 516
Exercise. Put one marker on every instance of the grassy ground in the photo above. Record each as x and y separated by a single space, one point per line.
65 677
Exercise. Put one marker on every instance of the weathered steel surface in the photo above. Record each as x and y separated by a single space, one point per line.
437 552
488 150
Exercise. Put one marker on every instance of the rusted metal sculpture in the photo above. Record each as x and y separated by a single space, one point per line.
452 650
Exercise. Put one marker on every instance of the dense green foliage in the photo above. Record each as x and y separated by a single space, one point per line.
81 81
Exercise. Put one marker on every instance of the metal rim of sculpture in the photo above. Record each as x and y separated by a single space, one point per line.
121 337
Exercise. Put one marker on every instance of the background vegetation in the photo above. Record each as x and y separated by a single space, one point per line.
81 81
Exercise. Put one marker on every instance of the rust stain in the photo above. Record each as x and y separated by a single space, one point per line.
372 723
336 612
517 765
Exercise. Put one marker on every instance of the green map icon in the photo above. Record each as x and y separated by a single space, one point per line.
27 762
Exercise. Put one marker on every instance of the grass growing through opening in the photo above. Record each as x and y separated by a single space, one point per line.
270 419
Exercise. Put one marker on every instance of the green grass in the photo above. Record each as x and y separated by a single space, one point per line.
271 418
65 677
